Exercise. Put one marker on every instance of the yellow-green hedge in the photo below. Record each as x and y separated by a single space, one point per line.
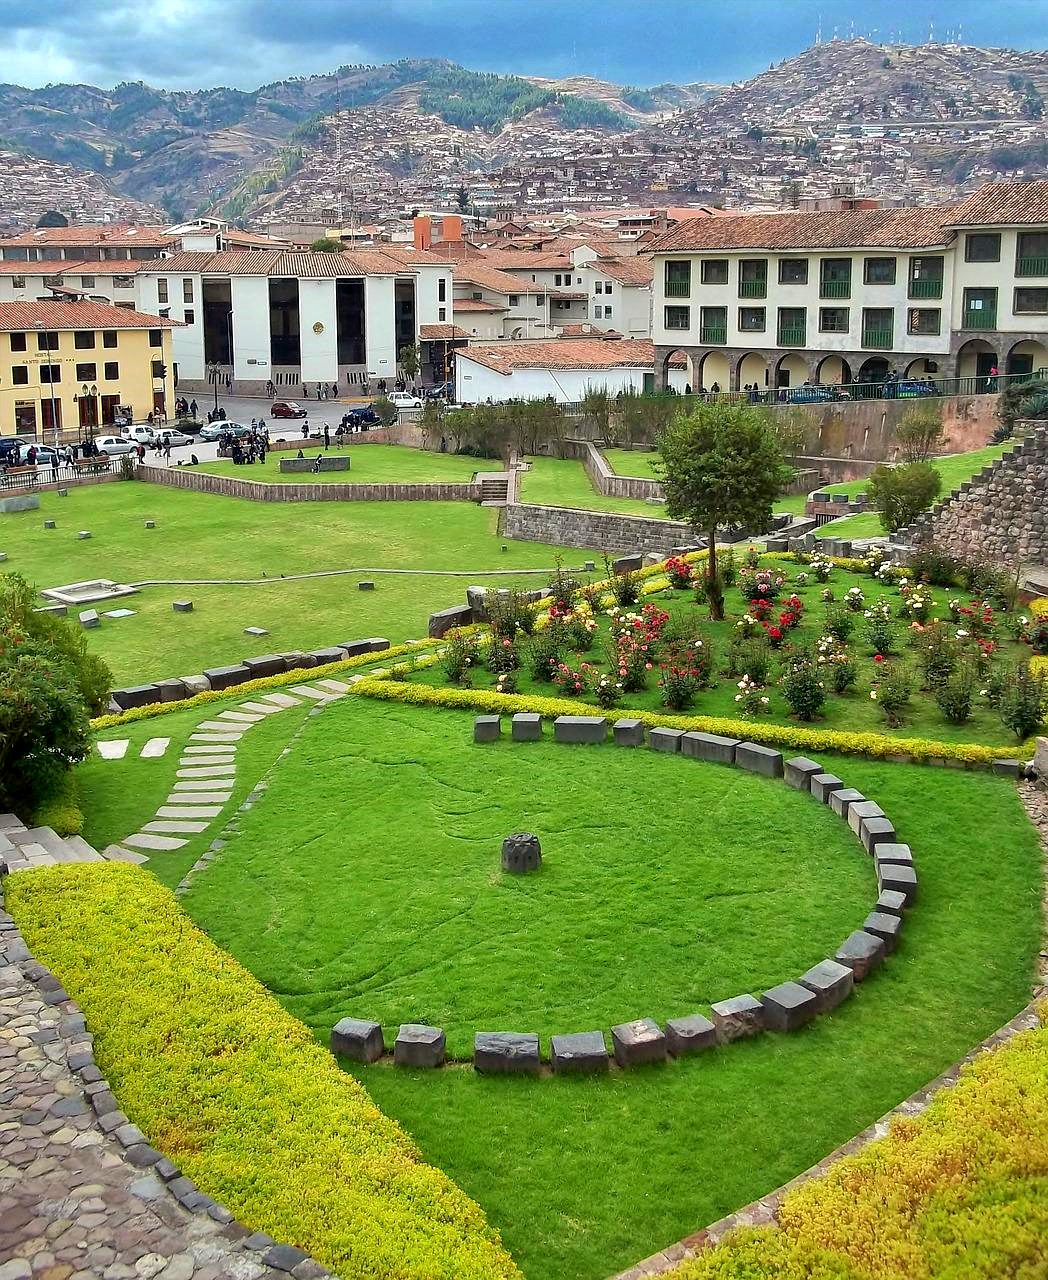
875 745
61 810
300 675
959 1191
1039 607
237 1092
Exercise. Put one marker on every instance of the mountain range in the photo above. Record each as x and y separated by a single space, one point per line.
427 125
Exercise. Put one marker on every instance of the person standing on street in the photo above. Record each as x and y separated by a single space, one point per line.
327 437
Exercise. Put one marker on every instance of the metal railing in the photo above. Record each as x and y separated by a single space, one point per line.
713 334
926 288
26 477
792 337
678 289
835 289
1031 266
983 319
753 288
879 339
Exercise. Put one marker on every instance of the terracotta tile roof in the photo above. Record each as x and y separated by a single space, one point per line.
862 228
582 329
485 277
526 260
180 264
280 262
474 304
1004 204
570 353
75 267
637 271
77 315
105 233
440 332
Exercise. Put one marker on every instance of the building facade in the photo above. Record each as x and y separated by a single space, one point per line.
779 300
71 366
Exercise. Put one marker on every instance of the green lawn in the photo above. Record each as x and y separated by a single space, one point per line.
201 536
447 938
366 881
854 711
369 464
563 482
866 525
632 462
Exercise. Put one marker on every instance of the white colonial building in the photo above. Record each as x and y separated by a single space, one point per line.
781 299
561 369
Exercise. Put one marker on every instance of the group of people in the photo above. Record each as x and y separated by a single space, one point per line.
248 449
185 408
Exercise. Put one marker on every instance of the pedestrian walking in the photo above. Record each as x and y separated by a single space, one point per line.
327 436
167 448
54 467
192 408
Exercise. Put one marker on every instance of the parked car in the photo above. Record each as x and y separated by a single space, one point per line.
42 457
115 445
190 426
9 448
812 394
216 430
365 416
171 436
442 391
287 409
404 400
140 433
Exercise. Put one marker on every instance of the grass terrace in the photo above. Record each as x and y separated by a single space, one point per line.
563 482
199 536
369 464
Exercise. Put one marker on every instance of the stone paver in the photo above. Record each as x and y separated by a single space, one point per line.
199 797
77 1202
198 784
281 699
188 811
155 748
208 771
239 717
214 738
223 727
184 828
216 749
317 695
114 749
147 840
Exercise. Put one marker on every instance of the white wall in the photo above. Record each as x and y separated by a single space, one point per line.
316 306
475 382
427 294
380 327
250 300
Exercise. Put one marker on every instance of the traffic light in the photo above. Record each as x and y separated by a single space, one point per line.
161 370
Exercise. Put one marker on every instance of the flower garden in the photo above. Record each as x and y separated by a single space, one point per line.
863 646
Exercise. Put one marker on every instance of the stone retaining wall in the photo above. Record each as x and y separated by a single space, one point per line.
1001 514
603 531
257 491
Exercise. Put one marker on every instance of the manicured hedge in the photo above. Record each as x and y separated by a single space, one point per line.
878 746
959 1191
61 810
237 1092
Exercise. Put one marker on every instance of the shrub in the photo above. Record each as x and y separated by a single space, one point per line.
459 656
821 568
937 567
1025 702
60 810
840 623
575 682
238 1092
1012 401
920 432
506 682
761 584
954 696
751 657
565 588
625 587
844 673
543 652
679 573
502 655
880 633
855 599
1037 635
900 494
893 692
508 613
751 698
939 654
803 688
727 568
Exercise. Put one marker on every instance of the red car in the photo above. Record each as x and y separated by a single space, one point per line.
287 409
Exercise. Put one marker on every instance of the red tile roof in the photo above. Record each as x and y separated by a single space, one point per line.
567 353
105 233
71 266
1004 204
474 304
862 228
76 315
485 277
526 260
302 263
635 271
440 332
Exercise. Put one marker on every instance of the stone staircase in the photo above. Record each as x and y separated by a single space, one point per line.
22 847
494 488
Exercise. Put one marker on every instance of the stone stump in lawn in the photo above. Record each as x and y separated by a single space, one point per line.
521 853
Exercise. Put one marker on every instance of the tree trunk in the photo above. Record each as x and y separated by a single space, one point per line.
714 591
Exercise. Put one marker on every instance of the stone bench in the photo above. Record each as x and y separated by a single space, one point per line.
323 463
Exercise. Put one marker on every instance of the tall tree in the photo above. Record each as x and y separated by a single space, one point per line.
721 465
409 361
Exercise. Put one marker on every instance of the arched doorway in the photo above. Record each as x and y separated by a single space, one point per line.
975 360
678 374
713 371
1028 356
922 367
791 370
752 368
833 371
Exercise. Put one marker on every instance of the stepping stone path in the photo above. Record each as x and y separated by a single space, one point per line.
205 778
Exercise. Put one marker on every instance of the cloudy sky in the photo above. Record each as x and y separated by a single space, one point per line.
244 43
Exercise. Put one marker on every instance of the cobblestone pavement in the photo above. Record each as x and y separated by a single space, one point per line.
82 1194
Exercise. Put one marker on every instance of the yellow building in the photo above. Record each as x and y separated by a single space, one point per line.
74 366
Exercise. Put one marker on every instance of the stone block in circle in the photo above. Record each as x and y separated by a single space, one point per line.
873 832
487 728
740 1016
841 800
758 759
665 739
639 1041
580 729
900 879
831 983
526 726
823 785
860 809
521 853
357 1039
506 1053
885 927
789 1006
579 1051
417 1045
628 733
182 606
690 1034
890 903
862 952
709 746
799 772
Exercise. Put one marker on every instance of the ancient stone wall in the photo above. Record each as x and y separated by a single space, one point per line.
1001 514
256 491
572 527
